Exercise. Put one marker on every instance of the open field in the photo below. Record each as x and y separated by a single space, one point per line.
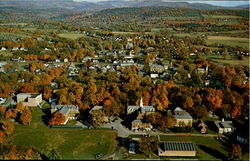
127 33
245 61
192 34
221 16
230 41
69 143
72 36
11 36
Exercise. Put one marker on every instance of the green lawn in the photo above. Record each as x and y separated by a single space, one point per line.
207 148
219 59
72 36
230 41
70 143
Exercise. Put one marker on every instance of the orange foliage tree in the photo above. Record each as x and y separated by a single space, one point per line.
8 127
214 97
32 67
28 88
57 119
2 137
20 107
47 92
25 117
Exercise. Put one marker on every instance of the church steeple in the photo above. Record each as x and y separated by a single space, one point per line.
141 103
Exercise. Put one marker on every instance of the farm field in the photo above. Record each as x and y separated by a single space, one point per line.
10 36
72 36
69 143
230 41
245 61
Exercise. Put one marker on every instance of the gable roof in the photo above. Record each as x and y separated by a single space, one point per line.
96 108
65 108
177 146
181 114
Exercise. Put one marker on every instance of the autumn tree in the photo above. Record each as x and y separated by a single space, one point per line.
2 137
98 117
32 67
166 121
148 145
235 153
57 118
47 92
8 127
188 103
214 97
10 114
2 112
28 88
25 117
20 107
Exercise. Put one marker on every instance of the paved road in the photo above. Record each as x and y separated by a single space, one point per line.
121 130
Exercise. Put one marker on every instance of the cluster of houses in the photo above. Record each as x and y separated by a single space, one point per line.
182 117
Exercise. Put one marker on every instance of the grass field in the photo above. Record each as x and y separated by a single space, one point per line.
192 34
69 143
245 61
230 41
4 36
72 36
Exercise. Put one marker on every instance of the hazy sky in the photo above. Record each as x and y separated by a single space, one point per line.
218 3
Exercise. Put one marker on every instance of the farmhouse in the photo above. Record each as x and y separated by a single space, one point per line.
139 125
177 149
29 99
69 111
224 126
182 117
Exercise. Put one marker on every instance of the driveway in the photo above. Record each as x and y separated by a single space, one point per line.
121 130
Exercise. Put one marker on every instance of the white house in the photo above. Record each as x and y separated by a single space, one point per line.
224 126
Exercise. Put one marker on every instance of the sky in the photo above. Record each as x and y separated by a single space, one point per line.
218 3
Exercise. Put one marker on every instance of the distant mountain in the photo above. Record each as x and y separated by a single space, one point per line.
88 6
242 7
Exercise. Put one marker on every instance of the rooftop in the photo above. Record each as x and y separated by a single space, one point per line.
97 108
224 124
31 95
65 108
177 146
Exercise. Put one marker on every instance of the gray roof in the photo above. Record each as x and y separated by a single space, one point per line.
224 124
96 108
147 109
133 108
143 109
181 114
65 108
177 146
